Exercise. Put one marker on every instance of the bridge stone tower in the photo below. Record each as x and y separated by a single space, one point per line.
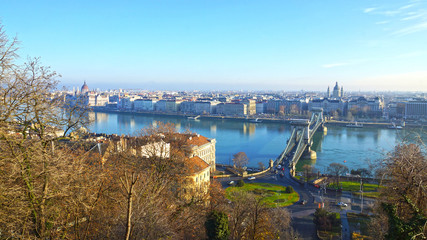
302 129
301 139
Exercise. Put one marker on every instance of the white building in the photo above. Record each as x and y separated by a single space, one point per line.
127 103
259 107
101 100
232 109
204 148
370 107
328 105
205 107
144 104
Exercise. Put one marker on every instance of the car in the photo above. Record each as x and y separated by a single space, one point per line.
231 183
251 178
342 204
303 202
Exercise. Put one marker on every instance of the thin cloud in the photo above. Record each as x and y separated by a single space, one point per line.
391 13
332 65
407 6
407 19
368 10
412 17
412 29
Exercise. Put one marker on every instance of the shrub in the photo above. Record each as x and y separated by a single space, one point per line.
217 226
289 189
325 220
240 183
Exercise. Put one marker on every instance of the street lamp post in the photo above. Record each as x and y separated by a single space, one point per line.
361 191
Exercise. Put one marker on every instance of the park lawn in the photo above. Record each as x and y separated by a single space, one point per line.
355 186
274 195
326 235
359 222
368 194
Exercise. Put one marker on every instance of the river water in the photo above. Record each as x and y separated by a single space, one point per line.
353 147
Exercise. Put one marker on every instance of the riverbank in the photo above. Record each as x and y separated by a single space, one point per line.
254 120
183 115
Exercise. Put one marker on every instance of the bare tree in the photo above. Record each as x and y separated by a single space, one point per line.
280 222
128 185
337 169
156 203
48 193
240 160
404 197
261 166
308 169
251 218
8 55
44 184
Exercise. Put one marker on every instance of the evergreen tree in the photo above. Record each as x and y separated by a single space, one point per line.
217 226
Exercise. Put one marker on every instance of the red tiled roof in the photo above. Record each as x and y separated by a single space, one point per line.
198 140
196 164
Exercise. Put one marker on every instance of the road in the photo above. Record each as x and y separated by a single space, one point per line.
302 215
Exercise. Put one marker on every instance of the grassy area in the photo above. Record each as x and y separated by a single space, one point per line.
355 186
368 194
326 235
359 222
274 195
219 173
301 177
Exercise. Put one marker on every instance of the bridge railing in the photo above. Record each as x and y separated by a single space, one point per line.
300 136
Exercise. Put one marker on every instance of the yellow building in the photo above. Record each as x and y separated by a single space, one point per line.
199 172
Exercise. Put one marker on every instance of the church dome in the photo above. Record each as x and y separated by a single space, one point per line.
85 88
336 87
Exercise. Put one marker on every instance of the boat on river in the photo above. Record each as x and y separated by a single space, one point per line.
193 118
394 126
257 120
354 125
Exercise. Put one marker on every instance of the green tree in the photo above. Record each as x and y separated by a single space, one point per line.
217 226
240 183
325 220
289 189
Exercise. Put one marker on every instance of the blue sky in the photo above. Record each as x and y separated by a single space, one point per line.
226 44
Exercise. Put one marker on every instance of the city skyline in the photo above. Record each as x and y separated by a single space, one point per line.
223 45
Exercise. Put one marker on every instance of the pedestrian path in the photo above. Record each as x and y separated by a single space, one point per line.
303 213
345 229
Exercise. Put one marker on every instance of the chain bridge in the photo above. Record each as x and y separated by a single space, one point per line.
301 140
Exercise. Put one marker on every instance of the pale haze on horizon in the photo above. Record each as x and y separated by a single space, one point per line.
219 45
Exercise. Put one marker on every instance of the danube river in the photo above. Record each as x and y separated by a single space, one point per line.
263 141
